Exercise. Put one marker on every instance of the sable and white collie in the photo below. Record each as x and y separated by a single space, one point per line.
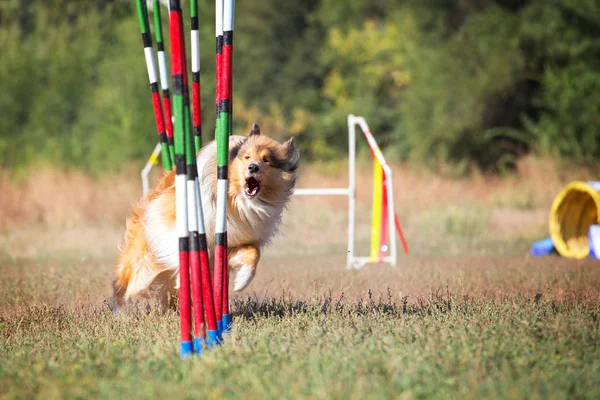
262 175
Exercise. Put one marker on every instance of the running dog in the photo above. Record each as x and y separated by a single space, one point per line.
262 175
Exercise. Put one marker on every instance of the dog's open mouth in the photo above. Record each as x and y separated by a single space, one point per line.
252 187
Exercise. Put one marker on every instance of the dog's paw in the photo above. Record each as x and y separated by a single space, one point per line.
112 304
177 283
243 278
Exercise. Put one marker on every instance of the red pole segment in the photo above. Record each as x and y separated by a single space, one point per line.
209 305
383 236
197 301
168 120
225 305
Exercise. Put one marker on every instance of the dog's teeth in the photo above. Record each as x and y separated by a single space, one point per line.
243 278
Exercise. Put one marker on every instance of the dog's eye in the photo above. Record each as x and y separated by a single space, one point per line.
265 159
247 157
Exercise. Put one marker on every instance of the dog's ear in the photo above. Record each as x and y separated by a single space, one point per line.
255 130
235 149
291 156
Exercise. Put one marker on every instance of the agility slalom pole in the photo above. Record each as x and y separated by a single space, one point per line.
222 139
164 76
227 71
206 281
142 12
177 67
194 206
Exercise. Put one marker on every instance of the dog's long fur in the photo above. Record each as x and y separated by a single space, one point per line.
147 264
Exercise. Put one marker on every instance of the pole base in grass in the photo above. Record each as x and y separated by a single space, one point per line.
198 345
220 328
212 339
187 349
226 323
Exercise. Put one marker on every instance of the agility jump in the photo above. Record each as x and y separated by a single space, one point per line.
384 221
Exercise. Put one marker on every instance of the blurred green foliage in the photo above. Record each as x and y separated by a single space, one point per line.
470 83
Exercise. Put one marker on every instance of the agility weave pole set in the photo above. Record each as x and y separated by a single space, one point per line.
207 298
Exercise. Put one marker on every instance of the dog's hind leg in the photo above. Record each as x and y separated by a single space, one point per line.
245 260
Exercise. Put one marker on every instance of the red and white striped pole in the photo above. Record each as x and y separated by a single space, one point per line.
221 137
177 69
193 204
227 71
204 280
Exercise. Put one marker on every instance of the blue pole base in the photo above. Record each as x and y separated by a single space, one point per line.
226 323
212 339
220 328
198 345
187 349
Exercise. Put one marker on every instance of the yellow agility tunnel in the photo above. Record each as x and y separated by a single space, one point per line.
574 210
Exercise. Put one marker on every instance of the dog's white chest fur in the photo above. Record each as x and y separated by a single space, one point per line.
256 221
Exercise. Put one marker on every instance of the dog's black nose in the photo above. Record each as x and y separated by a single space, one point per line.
253 168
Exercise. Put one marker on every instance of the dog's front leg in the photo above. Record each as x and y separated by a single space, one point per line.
245 260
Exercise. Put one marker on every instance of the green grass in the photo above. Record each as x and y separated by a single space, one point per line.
466 316
440 347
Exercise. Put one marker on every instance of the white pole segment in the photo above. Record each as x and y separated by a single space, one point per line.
221 217
181 205
162 69
191 206
148 53
195 43
228 15
199 211
218 18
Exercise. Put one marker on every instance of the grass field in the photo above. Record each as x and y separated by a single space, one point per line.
467 315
